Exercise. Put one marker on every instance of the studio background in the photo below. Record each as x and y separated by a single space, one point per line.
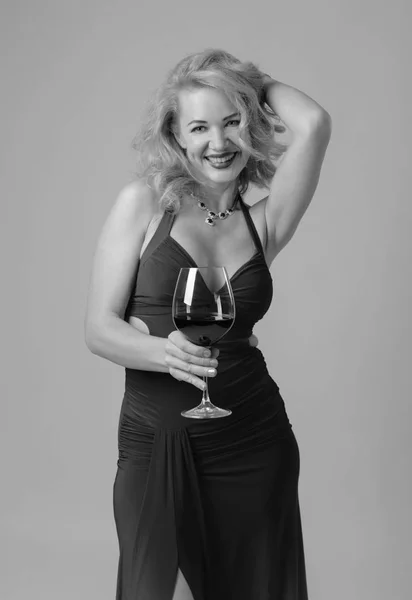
75 80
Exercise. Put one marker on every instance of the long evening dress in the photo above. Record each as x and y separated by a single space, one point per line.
217 498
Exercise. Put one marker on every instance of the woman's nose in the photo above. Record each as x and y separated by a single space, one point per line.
218 140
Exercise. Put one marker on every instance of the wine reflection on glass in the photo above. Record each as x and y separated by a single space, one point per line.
203 310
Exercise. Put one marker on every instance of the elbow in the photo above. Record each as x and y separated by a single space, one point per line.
90 343
320 124
97 333
91 337
317 127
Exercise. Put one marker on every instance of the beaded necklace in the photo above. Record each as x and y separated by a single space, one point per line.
213 216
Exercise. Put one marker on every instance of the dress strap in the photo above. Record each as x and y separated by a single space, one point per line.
251 225
162 231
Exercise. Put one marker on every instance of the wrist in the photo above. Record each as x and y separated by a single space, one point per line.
160 356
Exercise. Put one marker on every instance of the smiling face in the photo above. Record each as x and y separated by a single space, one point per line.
208 130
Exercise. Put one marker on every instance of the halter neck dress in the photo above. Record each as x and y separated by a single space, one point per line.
217 498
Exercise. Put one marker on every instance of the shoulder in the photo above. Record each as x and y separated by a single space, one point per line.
138 197
136 206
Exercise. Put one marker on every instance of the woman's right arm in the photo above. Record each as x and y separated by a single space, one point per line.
113 273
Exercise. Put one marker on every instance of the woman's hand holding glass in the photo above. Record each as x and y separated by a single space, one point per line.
189 362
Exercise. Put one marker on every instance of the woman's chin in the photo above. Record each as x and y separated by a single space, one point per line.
220 175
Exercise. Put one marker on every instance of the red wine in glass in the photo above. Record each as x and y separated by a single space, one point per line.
204 331
204 310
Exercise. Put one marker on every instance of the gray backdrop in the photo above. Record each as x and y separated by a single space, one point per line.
75 78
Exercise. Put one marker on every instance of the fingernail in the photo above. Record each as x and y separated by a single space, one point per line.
211 372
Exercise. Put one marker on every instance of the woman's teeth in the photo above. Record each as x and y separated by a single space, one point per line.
221 160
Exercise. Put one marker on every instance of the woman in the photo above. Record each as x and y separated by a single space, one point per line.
205 509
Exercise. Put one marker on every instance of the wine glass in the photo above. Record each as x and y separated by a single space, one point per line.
204 310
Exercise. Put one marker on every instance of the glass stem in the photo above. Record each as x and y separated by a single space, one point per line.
205 397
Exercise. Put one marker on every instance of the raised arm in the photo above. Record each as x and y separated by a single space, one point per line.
297 176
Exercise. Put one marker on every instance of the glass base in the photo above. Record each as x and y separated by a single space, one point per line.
206 411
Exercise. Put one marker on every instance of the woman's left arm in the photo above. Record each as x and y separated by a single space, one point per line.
297 175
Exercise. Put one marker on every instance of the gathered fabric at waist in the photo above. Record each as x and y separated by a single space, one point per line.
242 384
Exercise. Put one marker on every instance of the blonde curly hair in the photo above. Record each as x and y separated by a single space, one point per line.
161 161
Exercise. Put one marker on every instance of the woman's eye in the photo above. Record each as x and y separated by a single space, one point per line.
198 128
234 122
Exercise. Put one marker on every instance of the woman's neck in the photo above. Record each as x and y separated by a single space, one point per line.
219 198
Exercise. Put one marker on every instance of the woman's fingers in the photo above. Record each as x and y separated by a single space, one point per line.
187 377
188 352
189 372
190 367
188 362
191 359
178 339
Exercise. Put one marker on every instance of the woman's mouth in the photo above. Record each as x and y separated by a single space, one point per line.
222 161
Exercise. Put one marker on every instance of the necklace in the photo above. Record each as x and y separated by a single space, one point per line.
212 216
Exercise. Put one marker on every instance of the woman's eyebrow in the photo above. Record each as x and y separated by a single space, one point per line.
236 114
